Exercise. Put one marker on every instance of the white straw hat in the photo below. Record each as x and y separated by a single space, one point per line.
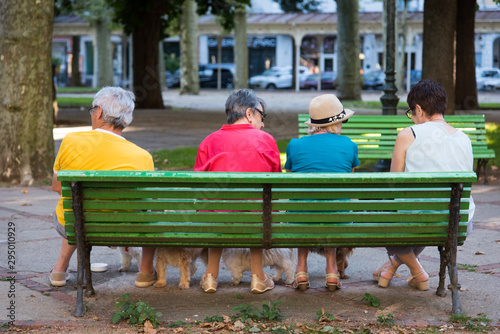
325 110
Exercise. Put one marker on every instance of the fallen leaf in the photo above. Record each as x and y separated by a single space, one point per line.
497 241
494 168
148 328
479 253
226 318
26 204
25 191
239 325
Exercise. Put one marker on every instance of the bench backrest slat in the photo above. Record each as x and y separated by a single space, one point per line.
226 209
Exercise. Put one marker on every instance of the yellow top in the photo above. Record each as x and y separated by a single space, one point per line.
99 150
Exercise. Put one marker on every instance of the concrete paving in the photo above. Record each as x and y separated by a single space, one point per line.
37 245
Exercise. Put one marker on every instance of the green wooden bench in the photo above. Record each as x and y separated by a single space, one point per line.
172 209
375 135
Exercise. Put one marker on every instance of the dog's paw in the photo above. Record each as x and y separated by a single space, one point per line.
235 282
122 268
344 276
160 284
183 286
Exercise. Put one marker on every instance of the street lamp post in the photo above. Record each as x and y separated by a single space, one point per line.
389 99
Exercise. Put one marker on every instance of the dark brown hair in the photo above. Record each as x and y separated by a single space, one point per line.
430 96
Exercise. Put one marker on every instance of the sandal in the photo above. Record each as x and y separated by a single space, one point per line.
422 286
304 285
333 286
382 281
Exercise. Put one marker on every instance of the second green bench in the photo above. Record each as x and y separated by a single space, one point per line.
375 135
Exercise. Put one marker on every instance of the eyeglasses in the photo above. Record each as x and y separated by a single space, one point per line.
408 113
91 110
263 114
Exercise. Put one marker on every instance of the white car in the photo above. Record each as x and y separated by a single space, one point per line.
276 77
486 74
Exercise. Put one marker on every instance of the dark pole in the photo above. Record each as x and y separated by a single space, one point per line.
389 99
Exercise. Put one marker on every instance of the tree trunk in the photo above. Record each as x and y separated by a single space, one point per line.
348 50
190 80
145 37
76 78
465 84
438 55
27 145
104 57
240 49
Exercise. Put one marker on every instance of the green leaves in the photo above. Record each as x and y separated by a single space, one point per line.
136 313
269 311
386 320
372 300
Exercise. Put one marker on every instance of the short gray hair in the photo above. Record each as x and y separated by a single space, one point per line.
238 102
117 106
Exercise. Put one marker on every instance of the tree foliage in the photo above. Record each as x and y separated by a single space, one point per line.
224 9
298 6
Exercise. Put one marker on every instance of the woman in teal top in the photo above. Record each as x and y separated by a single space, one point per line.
325 150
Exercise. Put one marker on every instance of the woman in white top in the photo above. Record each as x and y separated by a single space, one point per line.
431 145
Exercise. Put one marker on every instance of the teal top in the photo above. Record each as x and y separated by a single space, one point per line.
322 153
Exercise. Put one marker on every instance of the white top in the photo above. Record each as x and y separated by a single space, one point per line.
436 150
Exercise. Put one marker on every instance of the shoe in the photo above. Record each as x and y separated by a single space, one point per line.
382 281
333 286
145 280
208 283
304 285
58 279
261 286
422 286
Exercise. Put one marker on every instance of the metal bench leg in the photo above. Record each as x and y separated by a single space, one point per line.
452 245
80 310
485 170
444 260
90 289
481 164
77 204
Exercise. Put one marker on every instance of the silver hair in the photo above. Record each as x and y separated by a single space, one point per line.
238 102
334 128
117 106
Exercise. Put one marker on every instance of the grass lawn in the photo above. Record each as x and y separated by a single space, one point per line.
74 102
77 90
493 142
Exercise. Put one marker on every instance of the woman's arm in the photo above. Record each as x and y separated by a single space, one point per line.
403 142
56 185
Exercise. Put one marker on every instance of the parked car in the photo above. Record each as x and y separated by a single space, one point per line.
484 74
492 83
374 80
208 76
327 81
276 77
